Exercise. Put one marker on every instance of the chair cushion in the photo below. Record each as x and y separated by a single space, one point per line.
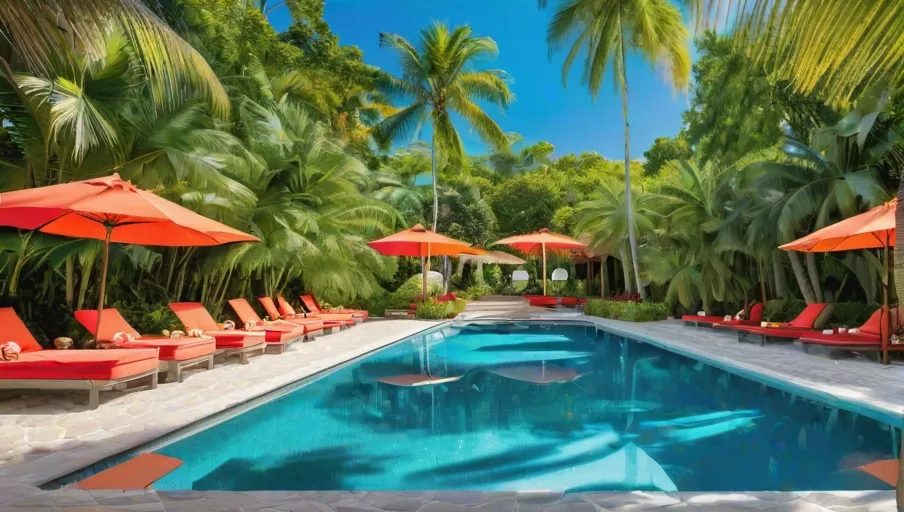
236 338
180 349
284 307
245 312
80 364
807 317
13 329
111 322
270 307
873 325
194 315
756 313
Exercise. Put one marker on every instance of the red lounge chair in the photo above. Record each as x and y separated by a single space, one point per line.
312 306
869 338
279 333
803 325
175 354
194 315
543 301
93 370
286 309
755 317
328 326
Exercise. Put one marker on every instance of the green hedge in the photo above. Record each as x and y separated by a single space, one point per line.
783 310
628 311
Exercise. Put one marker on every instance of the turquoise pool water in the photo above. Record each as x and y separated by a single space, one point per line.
563 407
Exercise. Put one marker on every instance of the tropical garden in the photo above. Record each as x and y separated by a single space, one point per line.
292 137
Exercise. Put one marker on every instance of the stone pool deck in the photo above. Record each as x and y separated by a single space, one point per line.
44 435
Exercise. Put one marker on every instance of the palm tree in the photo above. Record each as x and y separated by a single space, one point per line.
603 220
608 30
37 32
441 78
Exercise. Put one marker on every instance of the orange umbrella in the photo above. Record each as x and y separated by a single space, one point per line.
537 243
871 230
420 242
112 210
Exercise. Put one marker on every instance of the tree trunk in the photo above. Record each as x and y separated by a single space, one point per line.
478 273
802 281
781 288
813 272
433 174
629 284
632 237
603 270
70 281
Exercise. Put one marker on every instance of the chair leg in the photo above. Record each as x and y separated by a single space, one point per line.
243 358
154 377
210 363
93 398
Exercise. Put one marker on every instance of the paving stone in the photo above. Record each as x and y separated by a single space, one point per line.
631 500
48 433
459 497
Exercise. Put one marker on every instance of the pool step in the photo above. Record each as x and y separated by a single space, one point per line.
133 475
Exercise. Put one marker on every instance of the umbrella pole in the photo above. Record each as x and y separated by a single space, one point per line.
543 247
103 281
886 333
425 269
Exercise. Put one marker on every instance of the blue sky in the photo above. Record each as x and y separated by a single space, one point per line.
543 109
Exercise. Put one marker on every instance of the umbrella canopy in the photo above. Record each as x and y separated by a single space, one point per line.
421 242
538 243
112 210
91 208
874 229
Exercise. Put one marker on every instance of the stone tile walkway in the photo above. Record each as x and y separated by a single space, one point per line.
858 385
74 500
50 436
47 435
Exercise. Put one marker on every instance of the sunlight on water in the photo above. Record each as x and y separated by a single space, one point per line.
532 407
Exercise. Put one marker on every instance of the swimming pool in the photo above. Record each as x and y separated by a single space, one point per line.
532 406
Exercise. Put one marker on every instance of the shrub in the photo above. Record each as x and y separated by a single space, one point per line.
477 291
430 309
851 314
459 305
783 310
626 297
627 310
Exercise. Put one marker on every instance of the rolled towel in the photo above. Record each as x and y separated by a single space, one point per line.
228 325
843 330
177 334
9 351
764 324
701 313
827 331
195 333
121 338
854 330
165 332
727 318
250 325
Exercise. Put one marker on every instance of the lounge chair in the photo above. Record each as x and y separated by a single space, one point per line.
175 354
91 370
242 343
551 301
812 317
328 326
286 309
309 302
754 318
279 333
868 339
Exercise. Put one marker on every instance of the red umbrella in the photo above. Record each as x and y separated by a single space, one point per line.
420 242
112 210
870 230
537 243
